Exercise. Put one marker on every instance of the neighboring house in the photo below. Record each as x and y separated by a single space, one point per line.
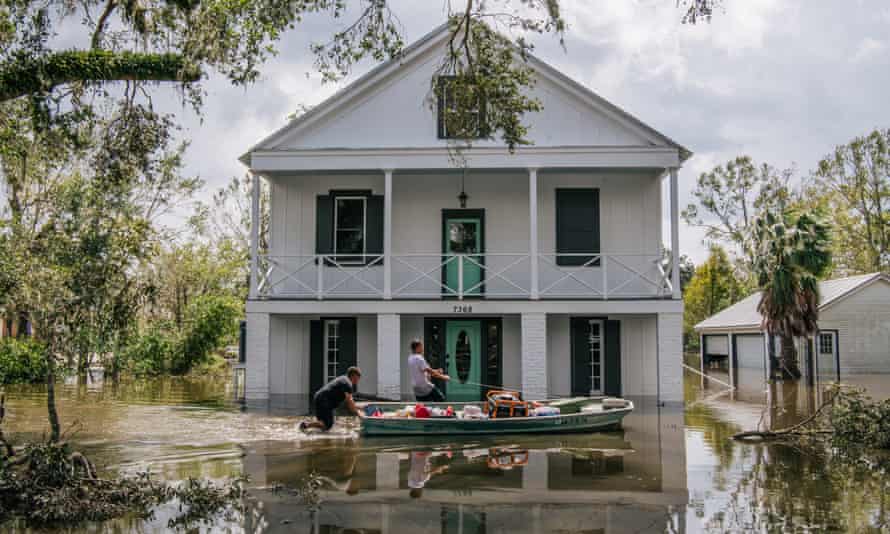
14 326
539 270
852 344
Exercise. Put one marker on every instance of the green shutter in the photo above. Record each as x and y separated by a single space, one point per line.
324 224
374 230
434 346
348 353
580 332
492 354
613 358
577 225
316 356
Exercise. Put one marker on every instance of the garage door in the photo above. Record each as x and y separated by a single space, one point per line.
750 373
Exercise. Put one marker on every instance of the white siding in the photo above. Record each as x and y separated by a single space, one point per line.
366 340
629 220
401 103
559 355
639 366
863 324
511 352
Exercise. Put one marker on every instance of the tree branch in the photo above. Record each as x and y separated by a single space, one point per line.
42 74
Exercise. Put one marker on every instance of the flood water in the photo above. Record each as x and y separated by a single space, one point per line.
670 469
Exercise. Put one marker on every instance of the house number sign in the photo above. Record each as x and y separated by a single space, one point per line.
462 308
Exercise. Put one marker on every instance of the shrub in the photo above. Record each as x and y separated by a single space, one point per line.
22 361
858 421
211 322
150 352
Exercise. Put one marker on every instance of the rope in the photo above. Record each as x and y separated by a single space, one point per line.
696 371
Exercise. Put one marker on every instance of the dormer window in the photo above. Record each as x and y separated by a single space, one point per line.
454 122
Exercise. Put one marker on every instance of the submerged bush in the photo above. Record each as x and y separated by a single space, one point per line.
856 420
211 322
22 361
149 352
47 484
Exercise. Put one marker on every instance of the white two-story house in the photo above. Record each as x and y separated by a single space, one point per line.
539 270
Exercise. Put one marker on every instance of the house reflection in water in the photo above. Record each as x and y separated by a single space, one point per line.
631 480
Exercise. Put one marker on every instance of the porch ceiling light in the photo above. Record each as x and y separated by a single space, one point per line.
462 197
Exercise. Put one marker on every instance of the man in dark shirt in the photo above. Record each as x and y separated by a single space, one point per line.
331 396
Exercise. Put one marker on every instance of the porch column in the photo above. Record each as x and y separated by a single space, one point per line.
254 234
675 236
387 234
533 230
389 382
670 357
257 360
534 355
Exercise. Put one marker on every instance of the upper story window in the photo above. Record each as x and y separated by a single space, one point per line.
350 227
457 121
578 227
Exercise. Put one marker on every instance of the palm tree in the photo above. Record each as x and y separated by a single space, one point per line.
791 254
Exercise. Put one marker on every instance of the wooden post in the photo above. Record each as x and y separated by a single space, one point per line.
387 234
533 230
254 234
675 236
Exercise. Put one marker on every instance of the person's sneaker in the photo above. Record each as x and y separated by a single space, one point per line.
302 426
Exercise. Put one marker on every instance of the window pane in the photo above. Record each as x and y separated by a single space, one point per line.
350 213
350 242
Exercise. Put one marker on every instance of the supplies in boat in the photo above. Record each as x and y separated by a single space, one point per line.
503 403
545 411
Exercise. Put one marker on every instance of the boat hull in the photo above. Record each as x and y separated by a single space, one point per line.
557 424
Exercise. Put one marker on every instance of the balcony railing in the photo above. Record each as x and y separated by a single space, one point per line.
464 276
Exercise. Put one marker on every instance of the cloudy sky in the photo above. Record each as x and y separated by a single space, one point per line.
783 81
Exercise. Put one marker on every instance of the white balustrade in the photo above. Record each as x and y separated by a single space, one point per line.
463 276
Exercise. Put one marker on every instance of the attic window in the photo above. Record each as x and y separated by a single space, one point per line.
453 122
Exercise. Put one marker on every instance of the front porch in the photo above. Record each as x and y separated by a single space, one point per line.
543 354
439 234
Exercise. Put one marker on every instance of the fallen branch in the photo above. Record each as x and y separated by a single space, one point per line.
792 431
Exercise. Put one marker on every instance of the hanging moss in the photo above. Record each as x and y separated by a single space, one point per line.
40 74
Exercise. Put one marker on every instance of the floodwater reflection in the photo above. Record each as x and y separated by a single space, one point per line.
670 469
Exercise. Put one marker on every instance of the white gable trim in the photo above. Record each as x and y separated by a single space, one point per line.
478 158
865 283
376 76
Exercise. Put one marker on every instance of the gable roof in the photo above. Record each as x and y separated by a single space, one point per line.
744 314
344 96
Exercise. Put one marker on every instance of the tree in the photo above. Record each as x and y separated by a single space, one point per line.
855 183
182 41
714 287
728 198
792 250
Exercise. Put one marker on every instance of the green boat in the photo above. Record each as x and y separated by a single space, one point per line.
579 414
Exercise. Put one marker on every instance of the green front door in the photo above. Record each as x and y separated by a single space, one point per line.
464 355
463 250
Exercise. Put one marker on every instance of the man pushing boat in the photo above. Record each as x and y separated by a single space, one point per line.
421 373
331 396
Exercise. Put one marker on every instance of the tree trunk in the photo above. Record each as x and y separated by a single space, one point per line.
55 431
788 358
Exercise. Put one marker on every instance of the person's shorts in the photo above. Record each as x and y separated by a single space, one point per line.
435 395
325 414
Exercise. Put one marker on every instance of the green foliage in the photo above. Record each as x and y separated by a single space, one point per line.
714 287
22 361
854 183
36 75
47 484
210 323
149 353
792 252
728 198
858 421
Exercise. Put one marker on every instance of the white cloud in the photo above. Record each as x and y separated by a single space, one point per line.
868 48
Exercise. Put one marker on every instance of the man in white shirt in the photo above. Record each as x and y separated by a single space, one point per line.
421 373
